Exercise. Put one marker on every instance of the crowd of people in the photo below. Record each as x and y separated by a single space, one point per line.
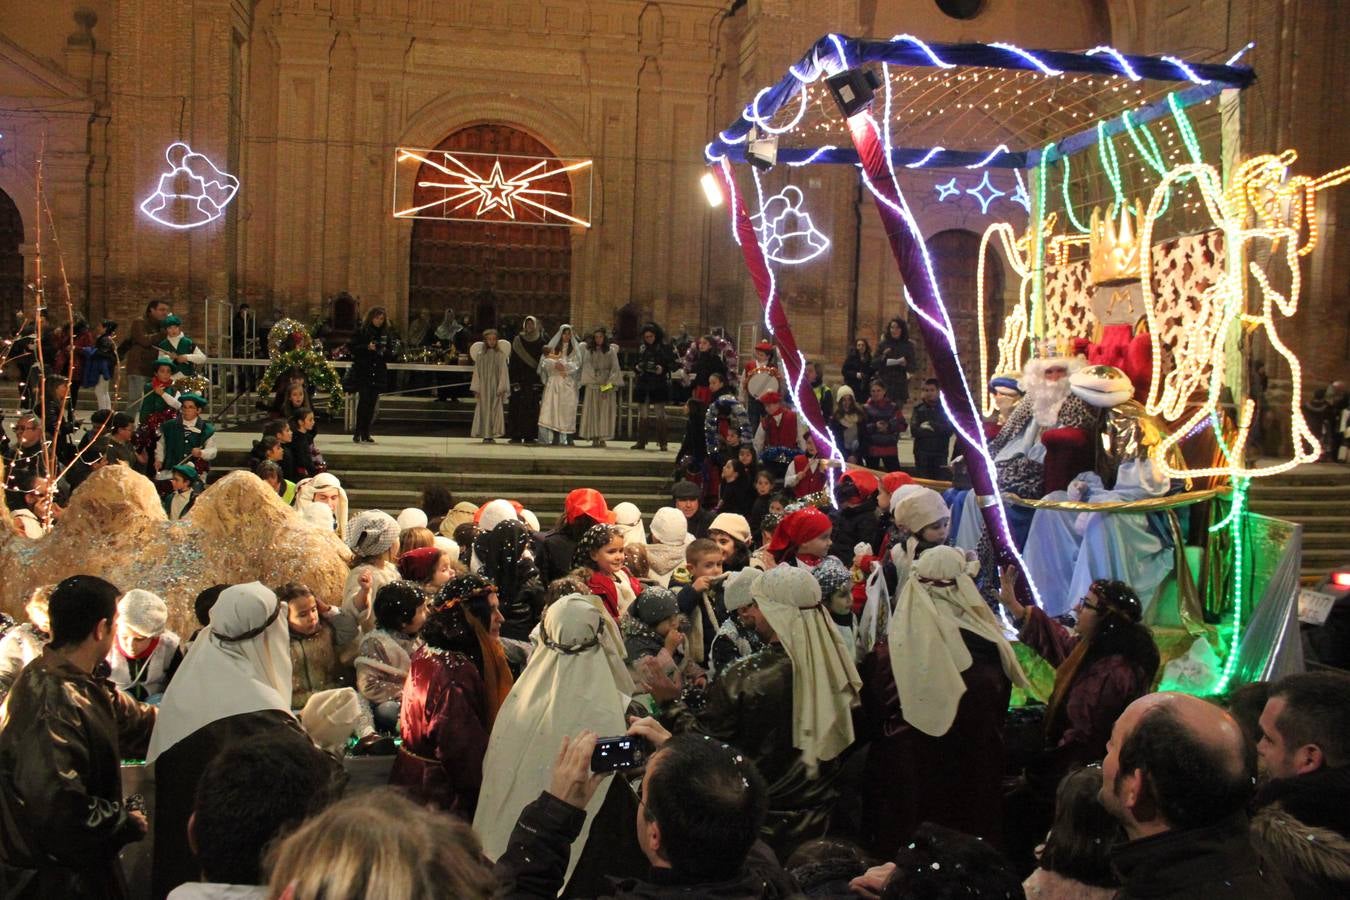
814 705
788 681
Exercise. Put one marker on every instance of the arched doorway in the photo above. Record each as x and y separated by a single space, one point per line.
11 263
494 271
956 258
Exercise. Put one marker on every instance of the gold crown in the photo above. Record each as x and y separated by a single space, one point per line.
1115 249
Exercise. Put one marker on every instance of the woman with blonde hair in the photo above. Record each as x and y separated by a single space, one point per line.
380 844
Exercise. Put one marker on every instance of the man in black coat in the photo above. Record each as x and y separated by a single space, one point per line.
1177 776
701 804
1302 822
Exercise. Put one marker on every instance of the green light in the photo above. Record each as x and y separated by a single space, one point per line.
1110 163
1184 126
1037 327
1151 154
1237 514
1068 206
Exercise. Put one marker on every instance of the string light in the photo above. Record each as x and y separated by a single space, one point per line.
814 156
1185 70
994 154
1014 336
1199 354
1110 164
1120 61
1020 195
778 243
1068 206
1035 61
927 156
947 189
927 50
752 113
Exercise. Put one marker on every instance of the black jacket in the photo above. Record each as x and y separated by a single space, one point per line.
854 525
370 368
535 862
750 707
62 816
1213 863
1302 828
655 363
936 437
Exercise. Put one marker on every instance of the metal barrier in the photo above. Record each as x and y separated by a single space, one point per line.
227 375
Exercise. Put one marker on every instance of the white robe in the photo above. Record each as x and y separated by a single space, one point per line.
490 385
600 410
558 411
1066 550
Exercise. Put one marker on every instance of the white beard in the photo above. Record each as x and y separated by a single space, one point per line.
1047 398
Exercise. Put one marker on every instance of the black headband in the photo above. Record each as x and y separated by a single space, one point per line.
252 632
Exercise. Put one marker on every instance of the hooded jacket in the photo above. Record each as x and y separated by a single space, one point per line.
1302 828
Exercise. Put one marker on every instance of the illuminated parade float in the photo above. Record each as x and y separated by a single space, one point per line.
1148 247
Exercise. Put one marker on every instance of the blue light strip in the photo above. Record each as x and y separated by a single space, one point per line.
833 53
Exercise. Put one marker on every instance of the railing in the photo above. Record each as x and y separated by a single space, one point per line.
229 376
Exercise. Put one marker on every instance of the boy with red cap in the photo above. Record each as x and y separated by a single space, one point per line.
778 437
803 536
855 520
761 377
583 508
807 475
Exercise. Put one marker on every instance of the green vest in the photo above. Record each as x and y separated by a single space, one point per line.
179 442
185 346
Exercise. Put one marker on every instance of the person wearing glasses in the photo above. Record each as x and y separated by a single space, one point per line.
1104 664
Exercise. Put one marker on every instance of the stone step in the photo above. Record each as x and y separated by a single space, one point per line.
553 462
1296 509
1299 491
1338 540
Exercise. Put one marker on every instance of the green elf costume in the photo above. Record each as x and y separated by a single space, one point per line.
177 502
179 437
183 354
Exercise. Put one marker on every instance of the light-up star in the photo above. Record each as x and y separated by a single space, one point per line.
985 192
1019 194
948 190
496 191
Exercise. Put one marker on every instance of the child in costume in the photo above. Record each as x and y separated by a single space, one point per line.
559 368
145 653
179 348
600 551
188 439
490 386
184 488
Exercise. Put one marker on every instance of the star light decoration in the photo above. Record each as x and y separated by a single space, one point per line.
986 193
948 189
464 187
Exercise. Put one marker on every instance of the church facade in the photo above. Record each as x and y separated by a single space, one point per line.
307 102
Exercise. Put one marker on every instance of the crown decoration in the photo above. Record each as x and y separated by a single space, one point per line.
1053 348
1115 248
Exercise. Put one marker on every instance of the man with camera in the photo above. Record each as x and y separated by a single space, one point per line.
700 807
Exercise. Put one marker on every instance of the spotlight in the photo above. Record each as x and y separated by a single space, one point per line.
761 151
853 90
711 189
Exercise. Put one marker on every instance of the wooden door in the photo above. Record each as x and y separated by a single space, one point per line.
495 270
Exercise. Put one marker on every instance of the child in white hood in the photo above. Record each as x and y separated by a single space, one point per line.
665 547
